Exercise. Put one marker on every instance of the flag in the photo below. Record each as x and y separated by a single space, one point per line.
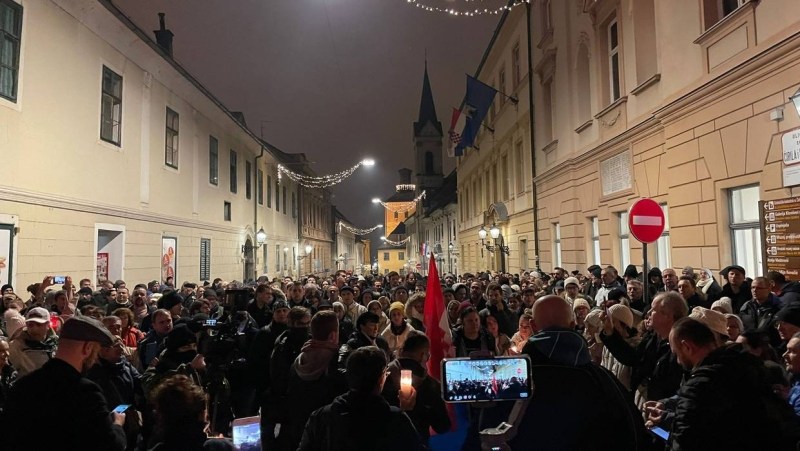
476 104
457 123
435 320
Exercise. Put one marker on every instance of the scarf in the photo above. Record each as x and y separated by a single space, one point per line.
398 330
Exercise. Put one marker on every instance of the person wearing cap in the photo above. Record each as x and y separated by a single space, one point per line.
56 407
787 321
572 291
758 314
722 305
737 288
398 329
726 393
36 344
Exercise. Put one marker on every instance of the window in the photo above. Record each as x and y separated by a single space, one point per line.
234 172
716 10
386 256
269 191
294 206
264 262
663 248
584 85
226 210
285 258
401 256
277 196
556 245
277 257
10 34
519 179
595 224
501 86
624 239
429 163
213 161
171 144
284 199
248 169
523 253
515 66
205 259
260 187
744 225
111 103
396 215
613 60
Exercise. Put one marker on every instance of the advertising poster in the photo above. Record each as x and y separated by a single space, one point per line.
102 266
169 246
6 242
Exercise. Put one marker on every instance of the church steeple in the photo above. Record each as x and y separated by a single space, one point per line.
427 109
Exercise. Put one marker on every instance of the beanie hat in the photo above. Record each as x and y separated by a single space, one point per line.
715 320
397 306
593 319
572 281
580 302
789 315
169 300
630 271
723 304
735 317
180 335
622 314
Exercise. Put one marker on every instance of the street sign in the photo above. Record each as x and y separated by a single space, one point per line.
780 235
646 220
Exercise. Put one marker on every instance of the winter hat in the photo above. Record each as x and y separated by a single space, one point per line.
715 320
738 320
722 305
180 335
572 281
789 315
596 273
169 300
580 302
630 271
397 306
593 319
622 314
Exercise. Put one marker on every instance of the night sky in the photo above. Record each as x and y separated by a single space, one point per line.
336 79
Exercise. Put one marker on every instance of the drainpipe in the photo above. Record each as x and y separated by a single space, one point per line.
255 213
533 147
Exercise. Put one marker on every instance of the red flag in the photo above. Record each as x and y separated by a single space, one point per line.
435 320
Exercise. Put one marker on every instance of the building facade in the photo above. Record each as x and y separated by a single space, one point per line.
682 102
124 166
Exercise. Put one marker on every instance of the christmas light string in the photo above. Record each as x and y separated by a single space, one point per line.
321 181
396 243
467 13
401 207
357 231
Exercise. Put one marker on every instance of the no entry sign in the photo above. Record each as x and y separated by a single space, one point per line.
646 220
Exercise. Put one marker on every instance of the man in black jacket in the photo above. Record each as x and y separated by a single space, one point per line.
260 352
726 402
361 420
567 384
366 334
758 314
737 288
788 292
652 363
55 407
429 410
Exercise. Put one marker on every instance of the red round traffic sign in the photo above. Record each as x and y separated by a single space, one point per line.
646 220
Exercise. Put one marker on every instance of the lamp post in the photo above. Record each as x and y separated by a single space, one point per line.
495 234
308 248
249 250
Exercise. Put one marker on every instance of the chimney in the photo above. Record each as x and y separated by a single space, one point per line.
164 36
405 175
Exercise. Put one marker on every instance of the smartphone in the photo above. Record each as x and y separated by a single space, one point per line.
59 280
659 432
211 322
247 434
486 379
121 408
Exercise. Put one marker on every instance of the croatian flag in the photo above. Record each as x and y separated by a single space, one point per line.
477 102
457 124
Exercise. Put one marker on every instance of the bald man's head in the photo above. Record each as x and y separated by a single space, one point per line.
551 311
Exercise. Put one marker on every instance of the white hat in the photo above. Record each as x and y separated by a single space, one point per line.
37 315
621 313
572 280
715 320
723 304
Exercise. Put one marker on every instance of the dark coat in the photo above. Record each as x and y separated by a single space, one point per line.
192 438
790 294
737 299
260 353
262 316
150 347
505 322
359 340
55 407
430 410
487 342
346 329
761 317
567 384
358 421
651 361
287 348
121 383
8 376
725 404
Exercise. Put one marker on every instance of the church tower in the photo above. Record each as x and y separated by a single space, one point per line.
428 138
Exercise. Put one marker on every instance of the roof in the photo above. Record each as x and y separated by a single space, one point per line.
399 230
445 195
427 109
402 196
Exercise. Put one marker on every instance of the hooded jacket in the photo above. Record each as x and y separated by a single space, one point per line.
790 294
567 384
357 421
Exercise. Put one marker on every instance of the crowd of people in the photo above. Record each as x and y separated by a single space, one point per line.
714 361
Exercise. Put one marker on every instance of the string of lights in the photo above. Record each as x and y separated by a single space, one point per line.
401 207
323 181
466 12
396 243
357 231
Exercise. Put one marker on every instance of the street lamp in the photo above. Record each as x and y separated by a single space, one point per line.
261 238
309 248
482 233
368 162
494 231
375 200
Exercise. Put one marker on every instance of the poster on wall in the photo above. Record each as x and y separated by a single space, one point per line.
102 266
6 247
169 246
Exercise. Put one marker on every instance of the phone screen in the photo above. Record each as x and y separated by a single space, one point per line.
211 322
121 408
660 432
491 379
247 434
59 280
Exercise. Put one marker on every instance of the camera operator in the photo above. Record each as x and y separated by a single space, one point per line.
179 357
